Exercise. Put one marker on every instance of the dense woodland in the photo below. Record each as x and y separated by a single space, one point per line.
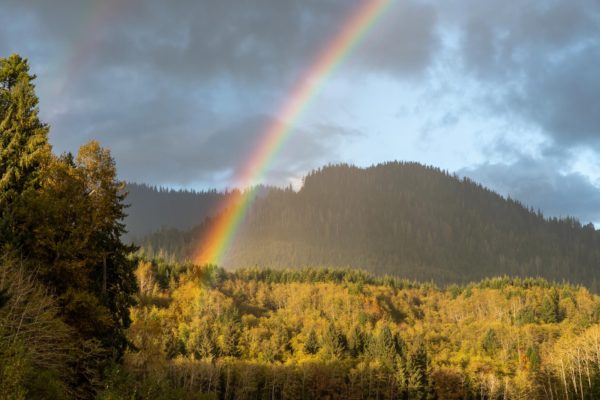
404 219
66 279
85 316
204 333
155 208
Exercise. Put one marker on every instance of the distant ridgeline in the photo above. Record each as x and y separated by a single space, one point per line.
404 219
152 208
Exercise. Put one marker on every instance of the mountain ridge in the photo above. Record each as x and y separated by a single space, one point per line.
405 219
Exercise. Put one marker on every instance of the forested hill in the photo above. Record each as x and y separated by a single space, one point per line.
408 220
154 208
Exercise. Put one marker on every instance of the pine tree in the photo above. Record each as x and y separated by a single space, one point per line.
311 346
334 342
417 368
24 145
356 341
550 312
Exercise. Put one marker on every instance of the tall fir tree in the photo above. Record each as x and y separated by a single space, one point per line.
62 217
311 346
24 147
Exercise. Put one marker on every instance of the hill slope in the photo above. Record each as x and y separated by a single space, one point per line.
152 208
408 220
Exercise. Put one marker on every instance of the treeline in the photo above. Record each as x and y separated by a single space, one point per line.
202 332
154 208
66 279
402 219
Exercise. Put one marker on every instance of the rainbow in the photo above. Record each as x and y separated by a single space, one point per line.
97 17
222 229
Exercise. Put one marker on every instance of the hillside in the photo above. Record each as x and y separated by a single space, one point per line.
152 209
341 334
404 219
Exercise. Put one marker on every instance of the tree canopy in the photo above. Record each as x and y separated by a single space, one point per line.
60 236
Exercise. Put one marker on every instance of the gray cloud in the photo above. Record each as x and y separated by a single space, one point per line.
268 40
541 57
404 43
564 97
536 64
173 88
181 91
304 149
539 184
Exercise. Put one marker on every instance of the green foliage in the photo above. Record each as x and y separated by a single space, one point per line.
62 219
14 369
489 343
334 342
35 344
533 355
550 311
526 315
24 146
311 346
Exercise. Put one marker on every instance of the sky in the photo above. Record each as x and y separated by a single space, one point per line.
504 92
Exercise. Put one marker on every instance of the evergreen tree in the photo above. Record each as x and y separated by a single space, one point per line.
334 341
550 311
112 271
356 341
24 145
417 369
489 343
311 346
205 346
63 218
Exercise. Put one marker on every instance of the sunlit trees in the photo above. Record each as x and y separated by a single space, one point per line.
35 345
61 223
311 333
24 148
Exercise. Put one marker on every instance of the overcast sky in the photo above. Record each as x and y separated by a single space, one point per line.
506 92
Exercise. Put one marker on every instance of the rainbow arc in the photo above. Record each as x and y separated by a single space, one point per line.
222 230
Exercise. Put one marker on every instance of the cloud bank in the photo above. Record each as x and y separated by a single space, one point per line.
181 91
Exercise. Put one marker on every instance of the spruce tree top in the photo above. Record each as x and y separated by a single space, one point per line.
23 137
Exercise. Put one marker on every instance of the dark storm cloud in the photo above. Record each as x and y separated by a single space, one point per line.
564 98
147 77
541 56
174 87
537 64
254 39
539 185
404 42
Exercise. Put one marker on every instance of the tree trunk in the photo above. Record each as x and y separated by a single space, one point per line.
104 275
